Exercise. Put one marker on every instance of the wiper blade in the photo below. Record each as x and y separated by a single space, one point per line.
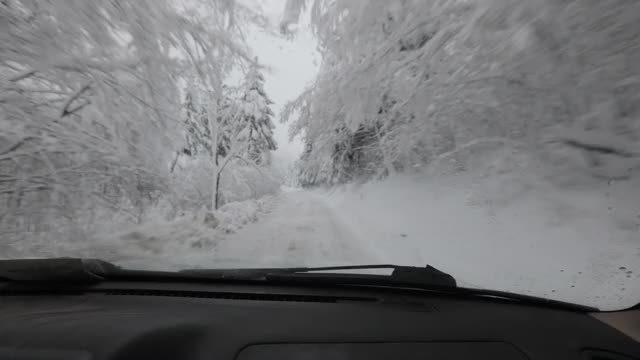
401 275
77 271
56 269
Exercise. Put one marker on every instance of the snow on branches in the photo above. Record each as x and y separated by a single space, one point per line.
242 127
403 82
90 100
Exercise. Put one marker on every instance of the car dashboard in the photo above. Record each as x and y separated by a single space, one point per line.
245 321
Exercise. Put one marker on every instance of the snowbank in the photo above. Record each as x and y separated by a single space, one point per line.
161 244
233 216
181 243
506 232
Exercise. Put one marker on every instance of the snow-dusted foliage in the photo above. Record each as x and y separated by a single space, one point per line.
90 104
405 83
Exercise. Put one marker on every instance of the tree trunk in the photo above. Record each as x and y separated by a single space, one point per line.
212 114
175 161
389 169
216 201
250 143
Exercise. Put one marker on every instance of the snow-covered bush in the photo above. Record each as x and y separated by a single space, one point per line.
243 182
235 215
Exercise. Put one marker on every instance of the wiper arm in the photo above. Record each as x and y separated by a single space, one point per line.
401 275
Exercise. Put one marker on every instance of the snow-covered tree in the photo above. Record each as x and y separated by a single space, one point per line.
254 108
197 137
89 101
406 83
233 127
197 132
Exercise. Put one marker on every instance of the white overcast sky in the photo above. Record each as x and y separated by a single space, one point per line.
294 64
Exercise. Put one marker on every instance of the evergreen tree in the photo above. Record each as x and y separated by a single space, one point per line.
255 112
198 136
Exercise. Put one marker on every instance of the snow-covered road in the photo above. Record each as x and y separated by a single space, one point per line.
300 230
577 253
563 246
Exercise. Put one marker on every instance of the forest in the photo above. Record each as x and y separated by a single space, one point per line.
120 112
409 86
149 121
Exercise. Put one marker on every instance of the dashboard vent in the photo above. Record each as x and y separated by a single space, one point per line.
240 296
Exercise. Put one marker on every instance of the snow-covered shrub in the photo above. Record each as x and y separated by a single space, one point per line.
192 181
242 182
235 215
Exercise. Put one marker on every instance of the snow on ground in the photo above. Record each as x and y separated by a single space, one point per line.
186 242
562 245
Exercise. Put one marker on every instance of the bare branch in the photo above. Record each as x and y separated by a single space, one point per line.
16 145
72 98
22 76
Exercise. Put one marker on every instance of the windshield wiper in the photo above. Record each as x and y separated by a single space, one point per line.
86 271
401 275
75 271
94 270
55 269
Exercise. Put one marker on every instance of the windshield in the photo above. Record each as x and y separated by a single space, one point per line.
498 141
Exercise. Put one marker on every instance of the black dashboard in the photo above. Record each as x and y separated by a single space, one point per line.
151 320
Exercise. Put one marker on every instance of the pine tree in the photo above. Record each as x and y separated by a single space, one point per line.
198 136
255 112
